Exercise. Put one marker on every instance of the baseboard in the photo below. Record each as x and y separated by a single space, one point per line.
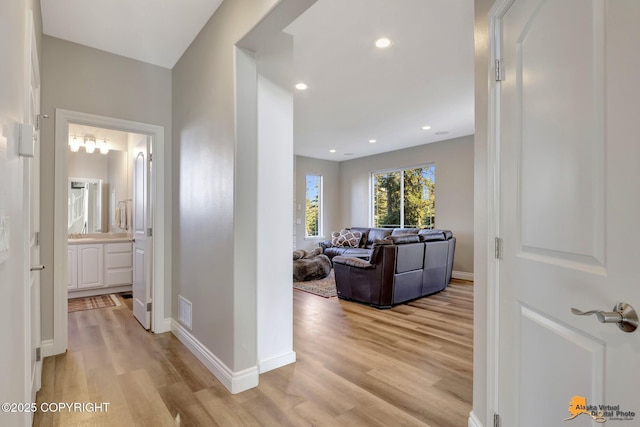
462 275
98 291
235 382
47 348
276 362
474 421
162 327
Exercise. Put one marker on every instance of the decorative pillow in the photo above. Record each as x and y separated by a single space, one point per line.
346 238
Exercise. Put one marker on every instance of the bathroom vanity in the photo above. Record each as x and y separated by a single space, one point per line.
99 264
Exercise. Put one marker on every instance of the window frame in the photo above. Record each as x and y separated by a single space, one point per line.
372 198
320 234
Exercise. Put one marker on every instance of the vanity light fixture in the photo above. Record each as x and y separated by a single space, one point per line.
90 143
104 149
74 144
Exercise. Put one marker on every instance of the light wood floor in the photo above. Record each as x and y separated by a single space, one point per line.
357 366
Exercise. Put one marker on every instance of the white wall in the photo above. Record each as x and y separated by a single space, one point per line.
454 189
331 211
223 148
14 356
91 166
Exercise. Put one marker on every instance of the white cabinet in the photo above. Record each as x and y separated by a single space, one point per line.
118 264
97 268
90 266
72 263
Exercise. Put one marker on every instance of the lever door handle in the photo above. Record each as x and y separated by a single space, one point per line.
36 267
623 314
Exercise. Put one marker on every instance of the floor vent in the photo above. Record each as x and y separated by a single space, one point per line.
184 311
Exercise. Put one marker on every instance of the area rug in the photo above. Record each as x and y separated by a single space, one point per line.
323 287
89 303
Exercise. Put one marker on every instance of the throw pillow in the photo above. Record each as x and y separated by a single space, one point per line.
346 238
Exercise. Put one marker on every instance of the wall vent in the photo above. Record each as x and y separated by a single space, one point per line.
184 311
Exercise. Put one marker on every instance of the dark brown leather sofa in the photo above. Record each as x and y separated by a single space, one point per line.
401 268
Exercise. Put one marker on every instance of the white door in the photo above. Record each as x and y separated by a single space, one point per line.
142 233
568 109
32 208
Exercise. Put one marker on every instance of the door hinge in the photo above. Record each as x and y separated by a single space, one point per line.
37 238
148 306
149 232
498 248
496 420
38 354
150 157
39 118
498 69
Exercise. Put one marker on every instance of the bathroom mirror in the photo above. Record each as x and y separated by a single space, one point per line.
85 206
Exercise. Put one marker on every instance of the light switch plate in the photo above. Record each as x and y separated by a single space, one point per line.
27 140
4 238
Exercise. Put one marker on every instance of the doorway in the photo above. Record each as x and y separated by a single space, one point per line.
160 317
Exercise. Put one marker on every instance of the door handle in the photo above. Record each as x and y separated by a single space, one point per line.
36 268
623 314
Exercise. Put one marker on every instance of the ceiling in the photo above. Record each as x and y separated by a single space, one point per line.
356 92
152 31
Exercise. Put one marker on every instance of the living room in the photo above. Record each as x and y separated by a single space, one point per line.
384 109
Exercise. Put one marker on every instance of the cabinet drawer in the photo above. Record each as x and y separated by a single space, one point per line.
120 260
119 277
112 248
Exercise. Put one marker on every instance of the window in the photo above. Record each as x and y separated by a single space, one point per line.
404 198
313 206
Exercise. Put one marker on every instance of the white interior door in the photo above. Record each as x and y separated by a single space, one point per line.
142 220
569 201
31 185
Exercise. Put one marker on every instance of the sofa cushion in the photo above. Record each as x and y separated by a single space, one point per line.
431 235
346 238
377 234
400 239
401 231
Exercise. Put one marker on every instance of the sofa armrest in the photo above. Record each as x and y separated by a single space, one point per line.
353 262
325 244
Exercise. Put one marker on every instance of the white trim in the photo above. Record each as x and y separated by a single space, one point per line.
235 382
276 362
496 14
161 220
462 275
474 421
98 291
163 326
47 348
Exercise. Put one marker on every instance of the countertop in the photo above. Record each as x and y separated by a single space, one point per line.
80 239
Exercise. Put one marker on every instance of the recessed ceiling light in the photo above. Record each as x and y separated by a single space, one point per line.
383 42
372 141
301 86
332 151
427 127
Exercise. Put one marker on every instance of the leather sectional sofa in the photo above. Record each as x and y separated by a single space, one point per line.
401 267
